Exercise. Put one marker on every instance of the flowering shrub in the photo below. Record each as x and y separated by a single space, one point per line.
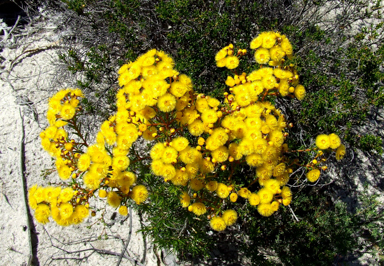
196 142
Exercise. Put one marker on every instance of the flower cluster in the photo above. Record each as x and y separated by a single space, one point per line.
196 142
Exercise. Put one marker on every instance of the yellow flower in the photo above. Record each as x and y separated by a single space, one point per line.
185 200
169 155
42 213
265 195
277 53
233 197
113 199
196 128
66 194
334 140
229 217
230 81
279 170
244 193
243 99
157 151
265 209
166 103
275 206
178 89
123 210
300 92
269 40
126 179
232 62
209 116
221 63
66 210
254 160
286 192
222 191
82 211
196 184
313 175
120 162
246 147
323 142
198 208
168 172
180 178
340 152
286 46
258 41
272 185
254 199
218 224
221 154
283 179
262 56
221 54
102 193
211 186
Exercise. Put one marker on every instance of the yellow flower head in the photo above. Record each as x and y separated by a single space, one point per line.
258 41
229 217
254 199
196 128
221 154
221 54
211 186
168 172
265 195
232 62
300 92
42 213
277 53
157 151
323 142
196 184
66 194
269 40
313 175
209 116
178 89
279 170
123 210
113 199
244 193
198 208
167 103
66 210
139 194
286 192
254 160
169 155
272 185
265 209
222 191
180 179
334 140
218 224
262 56
233 197
234 151
185 200
275 206
340 152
